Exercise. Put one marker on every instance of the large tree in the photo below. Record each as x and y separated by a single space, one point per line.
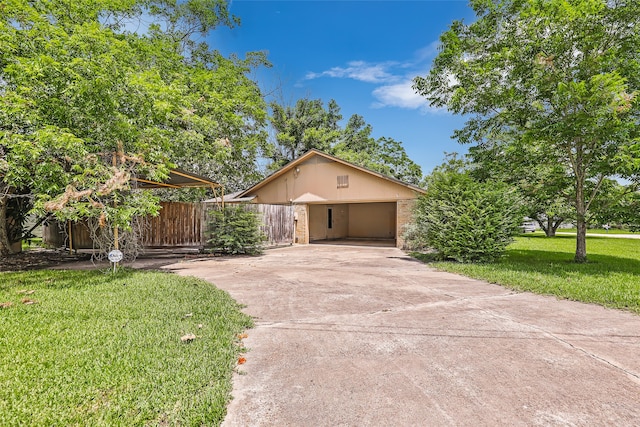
302 127
546 189
91 97
559 75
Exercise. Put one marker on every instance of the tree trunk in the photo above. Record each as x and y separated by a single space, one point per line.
5 245
581 223
556 224
552 226
541 222
581 241
581 205
549 230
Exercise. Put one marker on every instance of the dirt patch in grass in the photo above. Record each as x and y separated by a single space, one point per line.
36 259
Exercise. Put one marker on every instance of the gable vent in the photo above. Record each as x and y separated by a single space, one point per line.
343 181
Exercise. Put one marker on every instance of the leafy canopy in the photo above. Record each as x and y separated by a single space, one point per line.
559 76
89 102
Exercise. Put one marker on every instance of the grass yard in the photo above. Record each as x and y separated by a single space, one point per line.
597 231
544 266
100 349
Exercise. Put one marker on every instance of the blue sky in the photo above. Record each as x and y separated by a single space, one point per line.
361 53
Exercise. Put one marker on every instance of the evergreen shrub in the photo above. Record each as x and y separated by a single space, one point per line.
463 219
234 230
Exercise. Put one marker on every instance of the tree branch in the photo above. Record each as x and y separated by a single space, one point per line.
594 192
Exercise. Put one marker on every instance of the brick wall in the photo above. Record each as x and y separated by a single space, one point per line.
404 215
302 224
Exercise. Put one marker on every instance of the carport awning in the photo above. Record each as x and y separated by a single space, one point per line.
178 178
231 198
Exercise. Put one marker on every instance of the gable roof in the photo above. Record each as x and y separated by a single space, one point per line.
313 152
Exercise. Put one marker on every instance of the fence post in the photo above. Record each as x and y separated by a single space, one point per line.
203 225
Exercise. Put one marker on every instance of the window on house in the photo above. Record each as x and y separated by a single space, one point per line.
343 181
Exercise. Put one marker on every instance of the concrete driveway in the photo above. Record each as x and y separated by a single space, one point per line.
363 336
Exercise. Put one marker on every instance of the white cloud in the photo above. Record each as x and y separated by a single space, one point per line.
395 79
402 95
428 52
358 70
399 95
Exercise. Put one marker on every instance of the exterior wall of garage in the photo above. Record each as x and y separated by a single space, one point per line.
301 215
334 199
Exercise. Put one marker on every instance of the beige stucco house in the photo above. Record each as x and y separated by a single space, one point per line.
334 199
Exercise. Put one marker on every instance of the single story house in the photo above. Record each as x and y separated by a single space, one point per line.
334 199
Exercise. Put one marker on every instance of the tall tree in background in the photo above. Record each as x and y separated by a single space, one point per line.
356 136
546 189
621 207
309 125
384 155
88 103
357 146
559 75
302 127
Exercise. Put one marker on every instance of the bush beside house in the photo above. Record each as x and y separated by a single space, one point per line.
463 219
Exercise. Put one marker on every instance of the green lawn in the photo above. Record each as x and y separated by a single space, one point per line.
33 243
544 265
597 231
100 349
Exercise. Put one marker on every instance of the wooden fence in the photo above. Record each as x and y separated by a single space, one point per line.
181 225
277 223
56 234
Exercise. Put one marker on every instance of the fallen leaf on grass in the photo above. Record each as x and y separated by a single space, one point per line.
241 360
28 301
242 336
187 315
199 325
6 304
187 338
26 292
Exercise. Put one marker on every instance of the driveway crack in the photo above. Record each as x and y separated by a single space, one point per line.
634 376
